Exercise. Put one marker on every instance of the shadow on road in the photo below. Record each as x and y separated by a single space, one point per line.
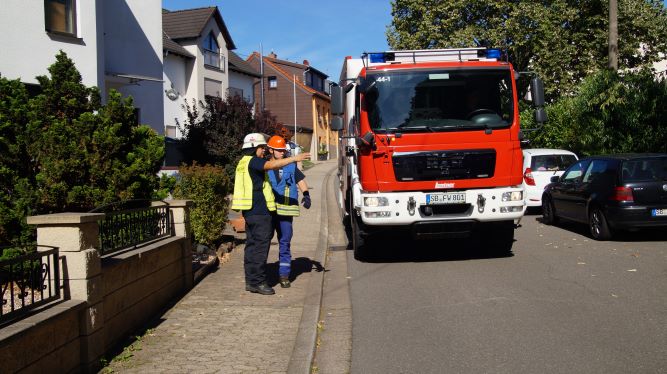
643 235
300 265
401 247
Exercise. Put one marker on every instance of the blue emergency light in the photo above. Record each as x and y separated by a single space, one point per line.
377 58
493 53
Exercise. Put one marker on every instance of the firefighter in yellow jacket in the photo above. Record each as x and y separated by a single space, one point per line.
253 196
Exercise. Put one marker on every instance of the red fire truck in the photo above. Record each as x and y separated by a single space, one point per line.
431 144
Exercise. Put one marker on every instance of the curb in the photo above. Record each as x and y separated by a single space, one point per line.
304 347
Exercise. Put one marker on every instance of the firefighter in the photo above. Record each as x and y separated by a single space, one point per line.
286 182
253 196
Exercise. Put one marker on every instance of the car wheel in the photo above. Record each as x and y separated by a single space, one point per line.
548 212
598 225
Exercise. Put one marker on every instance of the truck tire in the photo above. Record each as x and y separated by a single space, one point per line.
358 236
499 238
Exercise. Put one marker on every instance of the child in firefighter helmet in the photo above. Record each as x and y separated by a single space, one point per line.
286 183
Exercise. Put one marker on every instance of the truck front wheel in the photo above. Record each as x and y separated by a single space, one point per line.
358 237
498 238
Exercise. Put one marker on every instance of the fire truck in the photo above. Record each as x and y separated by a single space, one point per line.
431 145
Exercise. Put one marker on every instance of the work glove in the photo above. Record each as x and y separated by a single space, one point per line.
306 200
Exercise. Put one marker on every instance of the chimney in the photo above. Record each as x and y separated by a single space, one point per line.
273 55
305 62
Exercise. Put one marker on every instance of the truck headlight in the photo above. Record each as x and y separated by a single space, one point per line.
375 201
512 196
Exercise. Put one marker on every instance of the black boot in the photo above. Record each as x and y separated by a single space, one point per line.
284 282
262 288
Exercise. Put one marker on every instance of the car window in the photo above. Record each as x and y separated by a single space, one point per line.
644 170
574 173
595 169
551 162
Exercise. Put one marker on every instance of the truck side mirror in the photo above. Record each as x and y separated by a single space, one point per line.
337 101
540 115
336 123
537 92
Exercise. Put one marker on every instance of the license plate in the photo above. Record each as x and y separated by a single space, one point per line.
659 212
446 198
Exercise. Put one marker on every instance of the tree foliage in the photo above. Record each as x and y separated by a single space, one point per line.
207 187
562 40
214 130
611 113
67 152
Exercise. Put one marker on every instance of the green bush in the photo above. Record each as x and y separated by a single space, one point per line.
208 187
611 113
62 150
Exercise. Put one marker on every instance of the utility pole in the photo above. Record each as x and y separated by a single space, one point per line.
613 35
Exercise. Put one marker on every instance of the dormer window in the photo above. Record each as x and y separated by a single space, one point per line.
211 51
60 16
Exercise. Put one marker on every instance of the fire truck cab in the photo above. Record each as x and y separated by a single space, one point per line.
430 144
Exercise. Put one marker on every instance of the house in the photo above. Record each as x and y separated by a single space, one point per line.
242 78
196 61
114 44
297 95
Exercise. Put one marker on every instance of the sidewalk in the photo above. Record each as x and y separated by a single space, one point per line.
218 327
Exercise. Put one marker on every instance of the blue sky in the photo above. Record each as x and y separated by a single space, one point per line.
321 32
296 30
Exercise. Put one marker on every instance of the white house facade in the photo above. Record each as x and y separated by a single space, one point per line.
242 78
114 45
196 55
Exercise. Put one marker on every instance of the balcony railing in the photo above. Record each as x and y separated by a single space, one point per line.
212 58
130 223
28 281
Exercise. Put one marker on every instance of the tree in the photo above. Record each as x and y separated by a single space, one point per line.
214 130
67 152
611 113
562 40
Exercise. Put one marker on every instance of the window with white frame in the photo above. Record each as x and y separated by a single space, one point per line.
211 51
60 16
273 82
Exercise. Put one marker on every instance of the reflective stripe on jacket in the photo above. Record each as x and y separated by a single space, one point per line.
242 198
285 191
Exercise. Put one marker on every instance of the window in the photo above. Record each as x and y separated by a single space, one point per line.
212 88
273 82
233 91
596 168
574 173
211 51
170 131
59 16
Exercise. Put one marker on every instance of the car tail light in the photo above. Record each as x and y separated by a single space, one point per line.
622 194
528 177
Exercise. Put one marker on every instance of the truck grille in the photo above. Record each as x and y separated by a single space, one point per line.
439 165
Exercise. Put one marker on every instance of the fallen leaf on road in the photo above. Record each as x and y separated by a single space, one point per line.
632 269
581 263
348 277
635 255
614 295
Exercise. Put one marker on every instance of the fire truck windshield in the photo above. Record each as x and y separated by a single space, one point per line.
438 100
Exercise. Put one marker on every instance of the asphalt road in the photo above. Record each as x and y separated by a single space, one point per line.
562 303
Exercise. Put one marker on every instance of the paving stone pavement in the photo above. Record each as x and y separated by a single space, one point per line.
218 327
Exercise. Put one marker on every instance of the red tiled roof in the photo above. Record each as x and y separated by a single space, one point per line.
271 62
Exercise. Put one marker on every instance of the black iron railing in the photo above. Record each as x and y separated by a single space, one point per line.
28 280
127 228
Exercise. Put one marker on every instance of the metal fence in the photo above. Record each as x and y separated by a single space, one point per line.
137 223
28 281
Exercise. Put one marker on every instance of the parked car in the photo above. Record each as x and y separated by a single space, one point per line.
539 165
627 191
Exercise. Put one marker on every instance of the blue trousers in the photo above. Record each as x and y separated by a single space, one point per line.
283 225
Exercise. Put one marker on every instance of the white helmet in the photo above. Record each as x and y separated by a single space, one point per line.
253 140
